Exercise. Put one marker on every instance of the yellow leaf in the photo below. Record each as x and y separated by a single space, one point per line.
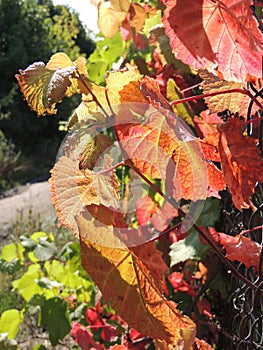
44 86
181 110
127 284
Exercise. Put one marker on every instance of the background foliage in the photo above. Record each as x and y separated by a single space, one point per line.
32 30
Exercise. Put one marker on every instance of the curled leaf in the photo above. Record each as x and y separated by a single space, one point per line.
44 86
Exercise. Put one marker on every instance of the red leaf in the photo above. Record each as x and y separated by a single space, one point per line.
242 164
238 248
179 284
145 207
84 338
219 35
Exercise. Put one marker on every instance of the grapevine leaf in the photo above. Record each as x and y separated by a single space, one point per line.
44 86
27 285
202 345
10 321
187 248
124 279
73 189
152 258
121 86
10 267
181 110
55 319
235 102
162 148
84 337
145 207
45 250
242 164
238 248
107 52
137 16
150 90
213 29
206 124
111 14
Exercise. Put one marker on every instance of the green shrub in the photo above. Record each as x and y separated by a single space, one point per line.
8 162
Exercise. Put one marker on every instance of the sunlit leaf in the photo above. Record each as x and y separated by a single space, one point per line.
73 189
10 321
235 102
44 86
242 164
124 278
181 110
222 36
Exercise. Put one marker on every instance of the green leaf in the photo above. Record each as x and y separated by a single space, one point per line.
188 248
37 235
48 284
28 243
39 347
45 250
55 319
10 321
107 52
35 303
26 285
151 22
10 267
181 110
12 251
210 213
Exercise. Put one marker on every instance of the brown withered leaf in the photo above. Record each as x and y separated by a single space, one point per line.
242 164
124 279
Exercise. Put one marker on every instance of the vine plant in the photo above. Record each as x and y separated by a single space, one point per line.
133 172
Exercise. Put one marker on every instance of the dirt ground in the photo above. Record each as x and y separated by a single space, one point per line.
24 203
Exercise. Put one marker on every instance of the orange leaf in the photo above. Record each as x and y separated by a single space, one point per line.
151 91
73 189
222 36
242 164
44 86
124 279
121 86
202 345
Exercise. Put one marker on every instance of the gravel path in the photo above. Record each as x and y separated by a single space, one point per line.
27 201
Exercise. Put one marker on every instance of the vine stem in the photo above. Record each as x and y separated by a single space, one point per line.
209 240
251 229
168 198
92 94
229 91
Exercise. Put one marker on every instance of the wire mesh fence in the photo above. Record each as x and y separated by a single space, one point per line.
240 326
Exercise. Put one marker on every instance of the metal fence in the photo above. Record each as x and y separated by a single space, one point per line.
241 325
